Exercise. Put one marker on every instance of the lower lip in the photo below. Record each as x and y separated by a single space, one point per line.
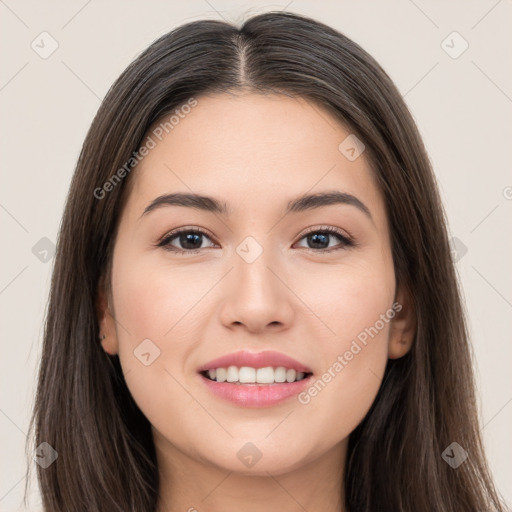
255 395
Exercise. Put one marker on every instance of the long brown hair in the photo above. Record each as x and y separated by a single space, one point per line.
83 408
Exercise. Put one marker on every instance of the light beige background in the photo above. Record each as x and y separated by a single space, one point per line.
463 107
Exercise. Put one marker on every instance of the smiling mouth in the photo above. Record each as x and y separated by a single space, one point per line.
267 376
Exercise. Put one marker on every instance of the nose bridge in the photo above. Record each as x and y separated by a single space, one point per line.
252 267
258 296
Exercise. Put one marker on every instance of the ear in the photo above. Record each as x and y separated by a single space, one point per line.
403 325
107 334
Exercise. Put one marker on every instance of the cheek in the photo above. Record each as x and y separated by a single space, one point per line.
356 308
152 309
156 301
346 299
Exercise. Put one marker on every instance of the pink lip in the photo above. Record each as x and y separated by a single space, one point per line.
256 360
255 395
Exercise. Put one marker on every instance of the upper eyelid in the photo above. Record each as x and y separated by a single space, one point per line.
186 229
331 229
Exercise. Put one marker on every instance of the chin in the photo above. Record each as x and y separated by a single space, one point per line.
259 458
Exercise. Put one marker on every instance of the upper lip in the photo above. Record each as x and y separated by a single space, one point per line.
256 360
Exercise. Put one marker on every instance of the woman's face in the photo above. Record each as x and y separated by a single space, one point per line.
261 278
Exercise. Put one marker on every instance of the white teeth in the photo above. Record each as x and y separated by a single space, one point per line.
290 375
265 375
280 374
232 374
248 375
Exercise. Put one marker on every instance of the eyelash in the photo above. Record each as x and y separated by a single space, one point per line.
346 242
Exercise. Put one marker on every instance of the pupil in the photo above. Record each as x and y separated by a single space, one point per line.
315 238
188 239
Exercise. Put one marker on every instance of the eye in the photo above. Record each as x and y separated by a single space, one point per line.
319 238
189 238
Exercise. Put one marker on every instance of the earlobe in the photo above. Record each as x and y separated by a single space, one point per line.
403 326
109 346
107 335
398 349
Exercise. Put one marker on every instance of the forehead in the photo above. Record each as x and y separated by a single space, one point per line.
251 150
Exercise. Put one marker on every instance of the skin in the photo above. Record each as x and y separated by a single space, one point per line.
256 153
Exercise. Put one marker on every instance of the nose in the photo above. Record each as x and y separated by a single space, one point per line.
257 296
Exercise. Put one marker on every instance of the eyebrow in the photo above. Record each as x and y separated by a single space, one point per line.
299 204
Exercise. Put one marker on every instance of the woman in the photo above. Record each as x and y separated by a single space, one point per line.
313 355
